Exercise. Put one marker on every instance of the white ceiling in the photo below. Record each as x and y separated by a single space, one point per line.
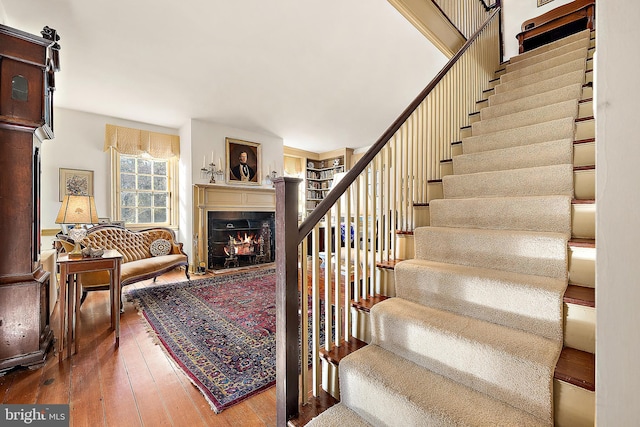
319 74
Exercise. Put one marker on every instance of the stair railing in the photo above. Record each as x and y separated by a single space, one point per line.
359 219
466 15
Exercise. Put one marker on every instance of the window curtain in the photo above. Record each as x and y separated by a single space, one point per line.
136 141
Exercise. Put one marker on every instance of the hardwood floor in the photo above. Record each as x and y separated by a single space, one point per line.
134 385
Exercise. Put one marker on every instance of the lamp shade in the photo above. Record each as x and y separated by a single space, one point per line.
77 210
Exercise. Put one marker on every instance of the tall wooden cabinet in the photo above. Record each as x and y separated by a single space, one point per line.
27 67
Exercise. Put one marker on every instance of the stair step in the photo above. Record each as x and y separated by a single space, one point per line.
577 367
555 82
584 152
540 132
339 352
553 53
552 96
533 116
537 213
582 265
338 415
510 299
518 157
551 46
365 304
510 83
532 181
512 250
366 373
580 318
314 407
544 63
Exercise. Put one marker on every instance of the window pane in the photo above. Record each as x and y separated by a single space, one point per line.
144 215
127 181
144 199
127 198
160 199
127 164
144 166
128 215
160 183
159 215
159 168
144 182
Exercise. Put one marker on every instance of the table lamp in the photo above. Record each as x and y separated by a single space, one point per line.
77 210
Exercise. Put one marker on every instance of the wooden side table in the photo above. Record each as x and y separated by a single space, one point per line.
111 260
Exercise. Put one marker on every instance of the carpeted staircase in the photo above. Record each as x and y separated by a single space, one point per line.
476 328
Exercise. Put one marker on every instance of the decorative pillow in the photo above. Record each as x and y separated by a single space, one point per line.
160 247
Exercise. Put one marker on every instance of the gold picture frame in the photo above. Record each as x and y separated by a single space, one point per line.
245 153
75 181
543 2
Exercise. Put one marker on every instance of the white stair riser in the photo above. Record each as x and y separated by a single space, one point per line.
582 266
583 221
580 327
574 406
585 129
584 183
421 216
585 109
434 191
446 168
584 154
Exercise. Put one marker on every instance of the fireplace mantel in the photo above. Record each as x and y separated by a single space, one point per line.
211 197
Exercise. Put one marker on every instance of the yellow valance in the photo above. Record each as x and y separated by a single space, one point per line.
136 141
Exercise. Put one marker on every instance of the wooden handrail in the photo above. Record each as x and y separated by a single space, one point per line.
332 197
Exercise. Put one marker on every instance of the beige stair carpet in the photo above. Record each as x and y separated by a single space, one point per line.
510 83
533 213
532 116
556 82
474 334
532 134
521 301
541 99
517 182
523 156
582 35
470 352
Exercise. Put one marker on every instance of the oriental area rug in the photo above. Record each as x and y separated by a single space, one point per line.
219 330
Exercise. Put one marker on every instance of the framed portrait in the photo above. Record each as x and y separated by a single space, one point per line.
243 162
75 181
543 2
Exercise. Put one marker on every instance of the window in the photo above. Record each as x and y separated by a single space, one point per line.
144 170
144 190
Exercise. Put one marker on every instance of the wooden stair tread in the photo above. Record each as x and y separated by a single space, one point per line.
576 367
312 409
365 304
584 119
390 264
583 201
583 243
584 141
584 168
419 204
337 353
580 295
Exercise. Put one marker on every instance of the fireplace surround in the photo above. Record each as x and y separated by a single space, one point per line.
233 226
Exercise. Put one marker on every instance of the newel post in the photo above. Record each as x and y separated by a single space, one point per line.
287 352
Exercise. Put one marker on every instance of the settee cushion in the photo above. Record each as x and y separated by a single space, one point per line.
160 247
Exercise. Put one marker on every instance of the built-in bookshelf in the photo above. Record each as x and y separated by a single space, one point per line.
319 179
317 170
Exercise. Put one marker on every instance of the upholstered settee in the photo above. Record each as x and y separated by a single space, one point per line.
146 254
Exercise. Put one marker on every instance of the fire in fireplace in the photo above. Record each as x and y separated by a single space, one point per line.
239 239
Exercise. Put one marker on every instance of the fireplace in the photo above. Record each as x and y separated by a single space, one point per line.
238 239
233 226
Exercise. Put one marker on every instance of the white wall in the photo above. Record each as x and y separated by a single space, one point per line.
79 144
514 13
617 226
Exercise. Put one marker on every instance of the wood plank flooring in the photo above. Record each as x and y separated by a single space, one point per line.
134 385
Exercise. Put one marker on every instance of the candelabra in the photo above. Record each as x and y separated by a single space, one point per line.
211 170
270 177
